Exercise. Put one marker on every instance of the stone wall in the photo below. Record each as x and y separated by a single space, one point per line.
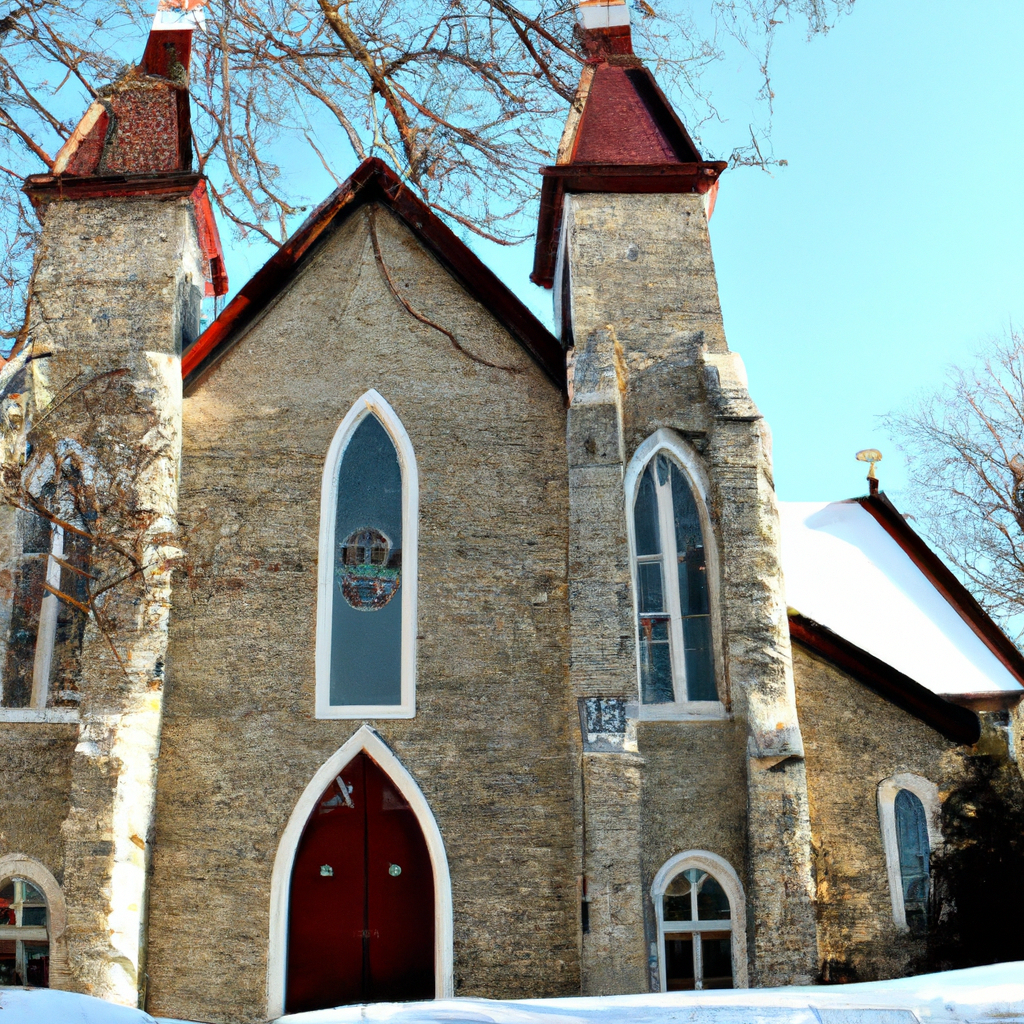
650 354
35 769
493 745
104 435
854 739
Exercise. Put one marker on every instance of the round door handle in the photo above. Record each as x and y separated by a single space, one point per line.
394 870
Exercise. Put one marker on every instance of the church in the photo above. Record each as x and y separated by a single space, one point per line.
377 643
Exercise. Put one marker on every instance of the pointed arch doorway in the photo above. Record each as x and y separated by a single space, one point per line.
361 896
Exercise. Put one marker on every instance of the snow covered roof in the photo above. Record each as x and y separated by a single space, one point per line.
858 569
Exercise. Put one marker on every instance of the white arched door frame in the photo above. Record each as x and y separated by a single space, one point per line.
369 404
365 740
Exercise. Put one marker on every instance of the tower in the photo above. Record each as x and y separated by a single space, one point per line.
661 426
128 250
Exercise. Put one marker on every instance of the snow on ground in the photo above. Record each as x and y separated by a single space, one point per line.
981 994
46 1006
845 572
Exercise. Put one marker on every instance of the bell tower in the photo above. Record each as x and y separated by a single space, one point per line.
128 250
623 241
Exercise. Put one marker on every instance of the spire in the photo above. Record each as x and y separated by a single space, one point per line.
622 134
136 137
141 123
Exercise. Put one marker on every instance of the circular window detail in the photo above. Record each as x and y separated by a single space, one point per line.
370 573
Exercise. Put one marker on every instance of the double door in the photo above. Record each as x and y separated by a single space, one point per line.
361 912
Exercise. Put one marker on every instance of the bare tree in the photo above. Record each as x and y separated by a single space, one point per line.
464 97
964 445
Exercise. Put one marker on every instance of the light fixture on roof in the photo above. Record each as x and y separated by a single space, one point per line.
872 455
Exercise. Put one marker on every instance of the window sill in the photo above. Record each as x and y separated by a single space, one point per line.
680 711
365 712
41 715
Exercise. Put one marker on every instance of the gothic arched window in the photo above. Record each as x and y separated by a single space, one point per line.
366 614
909 811
672 578
698 900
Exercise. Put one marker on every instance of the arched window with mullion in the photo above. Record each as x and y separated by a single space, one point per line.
673 595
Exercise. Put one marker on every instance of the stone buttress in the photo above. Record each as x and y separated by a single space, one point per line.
127 252
624 242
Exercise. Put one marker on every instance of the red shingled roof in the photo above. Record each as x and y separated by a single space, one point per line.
622 136
373 182
135 140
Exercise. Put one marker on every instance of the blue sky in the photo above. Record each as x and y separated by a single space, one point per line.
890 246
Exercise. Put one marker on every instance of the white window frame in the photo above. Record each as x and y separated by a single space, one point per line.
928 793
722 872
369 404
686 459
365 740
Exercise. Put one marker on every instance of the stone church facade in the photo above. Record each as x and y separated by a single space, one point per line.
377 533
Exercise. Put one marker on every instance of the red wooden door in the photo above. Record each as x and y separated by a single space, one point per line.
361 916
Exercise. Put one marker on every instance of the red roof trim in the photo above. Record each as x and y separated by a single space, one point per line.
48 188
209 240
636 179
888 517
43 189
374 182
956 723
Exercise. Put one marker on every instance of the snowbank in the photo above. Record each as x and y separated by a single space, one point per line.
45 1006
980 994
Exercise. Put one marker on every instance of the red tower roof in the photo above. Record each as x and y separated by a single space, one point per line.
136 138
622 134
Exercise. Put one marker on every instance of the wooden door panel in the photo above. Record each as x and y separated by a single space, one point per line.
401 896
327 911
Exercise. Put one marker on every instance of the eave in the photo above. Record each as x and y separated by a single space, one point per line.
939 575
637 179
956 723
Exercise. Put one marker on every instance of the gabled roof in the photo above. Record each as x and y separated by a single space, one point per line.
373 182
865 590
622 135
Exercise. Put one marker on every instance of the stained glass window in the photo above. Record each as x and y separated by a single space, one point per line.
674 609
366 631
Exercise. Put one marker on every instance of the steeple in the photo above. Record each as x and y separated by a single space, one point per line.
128 248
622 134
136 136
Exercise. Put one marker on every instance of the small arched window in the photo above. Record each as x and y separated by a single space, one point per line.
908 810
366 617
701 923
914 849
672 574
24 935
